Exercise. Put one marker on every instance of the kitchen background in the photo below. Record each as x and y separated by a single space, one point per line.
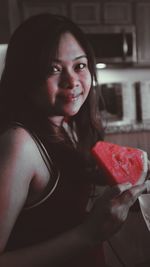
124 27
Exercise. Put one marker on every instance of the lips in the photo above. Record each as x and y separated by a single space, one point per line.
71 97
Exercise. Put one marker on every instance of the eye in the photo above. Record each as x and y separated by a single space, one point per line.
80 66
54 69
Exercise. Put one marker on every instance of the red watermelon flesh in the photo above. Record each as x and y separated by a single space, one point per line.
121 164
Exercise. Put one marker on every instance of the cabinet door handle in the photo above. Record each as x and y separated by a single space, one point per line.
124 45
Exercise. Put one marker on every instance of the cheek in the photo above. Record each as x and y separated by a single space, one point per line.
87 81
51 88
50 84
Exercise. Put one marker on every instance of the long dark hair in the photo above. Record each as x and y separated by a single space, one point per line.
29 55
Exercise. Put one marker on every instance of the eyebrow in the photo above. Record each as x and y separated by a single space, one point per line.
76 58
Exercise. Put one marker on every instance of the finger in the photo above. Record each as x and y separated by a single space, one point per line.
111 192
147 183
131 195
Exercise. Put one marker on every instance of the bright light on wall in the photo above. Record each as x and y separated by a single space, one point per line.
100 65
3 48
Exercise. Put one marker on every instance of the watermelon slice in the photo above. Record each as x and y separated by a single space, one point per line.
121 164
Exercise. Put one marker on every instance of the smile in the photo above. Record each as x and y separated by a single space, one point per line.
71 97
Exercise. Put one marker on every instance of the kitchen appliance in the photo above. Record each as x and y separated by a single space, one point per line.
120 104
113 44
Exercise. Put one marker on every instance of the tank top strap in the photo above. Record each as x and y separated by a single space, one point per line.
53 170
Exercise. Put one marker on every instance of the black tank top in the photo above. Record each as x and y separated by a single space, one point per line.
61 208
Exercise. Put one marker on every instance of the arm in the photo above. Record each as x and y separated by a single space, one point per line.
73 243
18 165
15 176
104 220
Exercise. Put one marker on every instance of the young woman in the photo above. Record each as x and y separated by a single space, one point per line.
49 122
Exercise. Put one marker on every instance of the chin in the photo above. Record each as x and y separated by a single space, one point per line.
71 113
72 110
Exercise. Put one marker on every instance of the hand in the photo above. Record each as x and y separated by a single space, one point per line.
111 210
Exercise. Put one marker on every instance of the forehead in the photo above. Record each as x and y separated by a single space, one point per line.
69 47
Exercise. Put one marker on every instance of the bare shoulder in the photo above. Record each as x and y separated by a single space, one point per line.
17 141
15 137
16 146
19 151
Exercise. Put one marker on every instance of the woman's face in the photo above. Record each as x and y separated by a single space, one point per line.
69 81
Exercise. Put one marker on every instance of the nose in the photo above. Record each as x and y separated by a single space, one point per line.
69 80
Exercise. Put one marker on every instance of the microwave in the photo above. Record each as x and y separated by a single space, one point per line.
120 103
113 44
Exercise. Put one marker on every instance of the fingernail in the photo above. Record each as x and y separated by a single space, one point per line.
128 184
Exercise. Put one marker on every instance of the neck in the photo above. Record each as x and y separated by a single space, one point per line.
56 120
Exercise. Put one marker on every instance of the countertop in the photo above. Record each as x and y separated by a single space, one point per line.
126 127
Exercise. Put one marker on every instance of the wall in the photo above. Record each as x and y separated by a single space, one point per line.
123 75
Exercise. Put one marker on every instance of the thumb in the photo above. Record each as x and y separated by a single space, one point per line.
116 190
131 195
